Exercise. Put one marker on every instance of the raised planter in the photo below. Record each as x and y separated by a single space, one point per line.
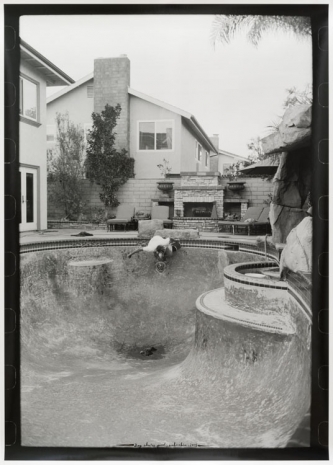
84 225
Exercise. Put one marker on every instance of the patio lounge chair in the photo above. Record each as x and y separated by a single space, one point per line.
260 225
161 212
124 216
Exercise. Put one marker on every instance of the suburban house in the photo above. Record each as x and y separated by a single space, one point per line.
223 160
36 73
153 131
149 129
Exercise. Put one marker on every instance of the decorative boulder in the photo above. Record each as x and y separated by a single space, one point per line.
291 185
297 254
147 228
178 233
283 220
293 132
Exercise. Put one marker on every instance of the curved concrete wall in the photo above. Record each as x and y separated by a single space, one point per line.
214 381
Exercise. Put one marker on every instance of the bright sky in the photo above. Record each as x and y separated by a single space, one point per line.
235 91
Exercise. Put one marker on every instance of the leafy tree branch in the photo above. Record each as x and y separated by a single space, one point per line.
105 165
66 167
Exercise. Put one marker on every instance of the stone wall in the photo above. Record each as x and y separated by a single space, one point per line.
202 224
193 195
203 179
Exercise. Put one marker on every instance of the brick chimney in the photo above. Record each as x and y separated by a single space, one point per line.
111 82
215 139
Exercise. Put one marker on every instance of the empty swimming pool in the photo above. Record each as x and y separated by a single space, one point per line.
115 353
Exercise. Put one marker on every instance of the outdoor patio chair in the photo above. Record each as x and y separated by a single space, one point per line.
252 213
262 226
124 216
161 212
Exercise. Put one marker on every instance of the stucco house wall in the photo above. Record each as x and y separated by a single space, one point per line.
32 138
223 160
146 161
78 105
32 144
111 81
189 161
36 73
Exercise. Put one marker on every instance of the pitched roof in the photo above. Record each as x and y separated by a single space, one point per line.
189 120
76 84
54 76
233 155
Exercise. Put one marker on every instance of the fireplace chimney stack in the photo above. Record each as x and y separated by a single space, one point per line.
111 82
215 139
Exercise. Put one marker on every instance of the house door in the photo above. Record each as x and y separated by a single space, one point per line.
28 220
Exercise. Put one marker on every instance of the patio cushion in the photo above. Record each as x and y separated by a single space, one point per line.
160 212
253 212
263 218
124 214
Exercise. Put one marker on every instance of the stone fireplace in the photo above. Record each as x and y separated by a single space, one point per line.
198 202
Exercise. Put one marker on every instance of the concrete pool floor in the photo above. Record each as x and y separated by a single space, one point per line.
71 384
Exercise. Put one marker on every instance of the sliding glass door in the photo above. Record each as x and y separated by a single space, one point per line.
28 220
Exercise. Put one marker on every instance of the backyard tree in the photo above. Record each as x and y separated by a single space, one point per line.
298 97
66 167
225 27
105 165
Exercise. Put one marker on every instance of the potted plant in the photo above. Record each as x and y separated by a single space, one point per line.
165 186
234 184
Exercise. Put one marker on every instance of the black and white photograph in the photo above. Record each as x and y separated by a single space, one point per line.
166 230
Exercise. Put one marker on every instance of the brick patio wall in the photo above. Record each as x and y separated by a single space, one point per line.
140 192
256 190
137 192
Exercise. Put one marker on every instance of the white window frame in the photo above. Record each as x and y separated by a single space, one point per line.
198 150
23 117
156 121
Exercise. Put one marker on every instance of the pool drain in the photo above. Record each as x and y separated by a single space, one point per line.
148 351
160 267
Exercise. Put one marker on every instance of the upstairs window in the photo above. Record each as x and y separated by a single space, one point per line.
206 159
156 135
90 91
28 99
199 150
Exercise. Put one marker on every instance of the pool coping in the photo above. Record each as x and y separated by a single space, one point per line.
53 244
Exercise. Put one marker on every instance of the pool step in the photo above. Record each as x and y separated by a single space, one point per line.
213 303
